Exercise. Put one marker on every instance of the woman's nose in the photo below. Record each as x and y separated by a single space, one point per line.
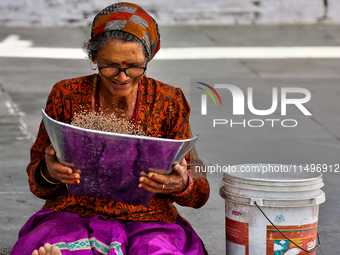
122 76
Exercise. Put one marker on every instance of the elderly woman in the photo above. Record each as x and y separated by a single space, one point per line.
124 38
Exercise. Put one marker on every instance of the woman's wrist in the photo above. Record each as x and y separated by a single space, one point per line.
186 190
44 177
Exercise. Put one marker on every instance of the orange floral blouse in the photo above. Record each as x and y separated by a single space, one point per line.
163 110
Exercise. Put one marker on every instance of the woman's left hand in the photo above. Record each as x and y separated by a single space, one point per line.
160 183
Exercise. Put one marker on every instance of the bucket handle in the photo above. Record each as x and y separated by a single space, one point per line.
310 250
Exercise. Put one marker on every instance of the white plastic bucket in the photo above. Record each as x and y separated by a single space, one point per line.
288 195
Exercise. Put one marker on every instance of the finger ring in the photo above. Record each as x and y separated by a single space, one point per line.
163 186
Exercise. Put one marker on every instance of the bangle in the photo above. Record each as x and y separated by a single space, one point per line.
50 182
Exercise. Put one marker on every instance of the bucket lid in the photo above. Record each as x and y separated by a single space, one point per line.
271 173
269 186
314 200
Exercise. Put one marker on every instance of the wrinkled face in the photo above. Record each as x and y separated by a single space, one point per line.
118 53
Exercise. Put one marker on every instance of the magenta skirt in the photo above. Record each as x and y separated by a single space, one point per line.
87 236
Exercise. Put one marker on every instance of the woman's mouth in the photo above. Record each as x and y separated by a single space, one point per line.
123 84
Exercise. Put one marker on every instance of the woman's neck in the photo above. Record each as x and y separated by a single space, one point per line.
121 107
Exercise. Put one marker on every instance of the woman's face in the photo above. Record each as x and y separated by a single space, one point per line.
121 54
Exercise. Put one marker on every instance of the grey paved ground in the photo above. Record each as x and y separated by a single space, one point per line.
27 82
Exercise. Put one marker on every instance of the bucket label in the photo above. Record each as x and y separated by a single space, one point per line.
303 235
237 235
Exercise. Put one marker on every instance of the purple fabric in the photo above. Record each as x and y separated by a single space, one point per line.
98 235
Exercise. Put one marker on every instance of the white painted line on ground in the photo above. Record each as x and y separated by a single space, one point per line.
36 52
14 110
248 52
13 47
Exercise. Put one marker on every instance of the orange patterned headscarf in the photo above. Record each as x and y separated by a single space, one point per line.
130 18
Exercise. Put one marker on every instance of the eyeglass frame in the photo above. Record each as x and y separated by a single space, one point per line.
121 69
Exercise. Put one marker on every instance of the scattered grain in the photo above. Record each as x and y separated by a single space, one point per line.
107 123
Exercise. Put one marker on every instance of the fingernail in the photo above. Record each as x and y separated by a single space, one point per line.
151 176
69 171
77 181
76 177
143 180
140 186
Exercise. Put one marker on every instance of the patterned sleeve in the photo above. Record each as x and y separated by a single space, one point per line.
197 192
38 149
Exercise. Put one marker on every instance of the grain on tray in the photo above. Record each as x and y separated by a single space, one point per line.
108 123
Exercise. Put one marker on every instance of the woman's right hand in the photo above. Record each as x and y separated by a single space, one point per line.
56 172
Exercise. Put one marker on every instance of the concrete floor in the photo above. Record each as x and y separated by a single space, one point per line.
26 83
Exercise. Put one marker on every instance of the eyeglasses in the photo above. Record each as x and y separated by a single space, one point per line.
112 71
